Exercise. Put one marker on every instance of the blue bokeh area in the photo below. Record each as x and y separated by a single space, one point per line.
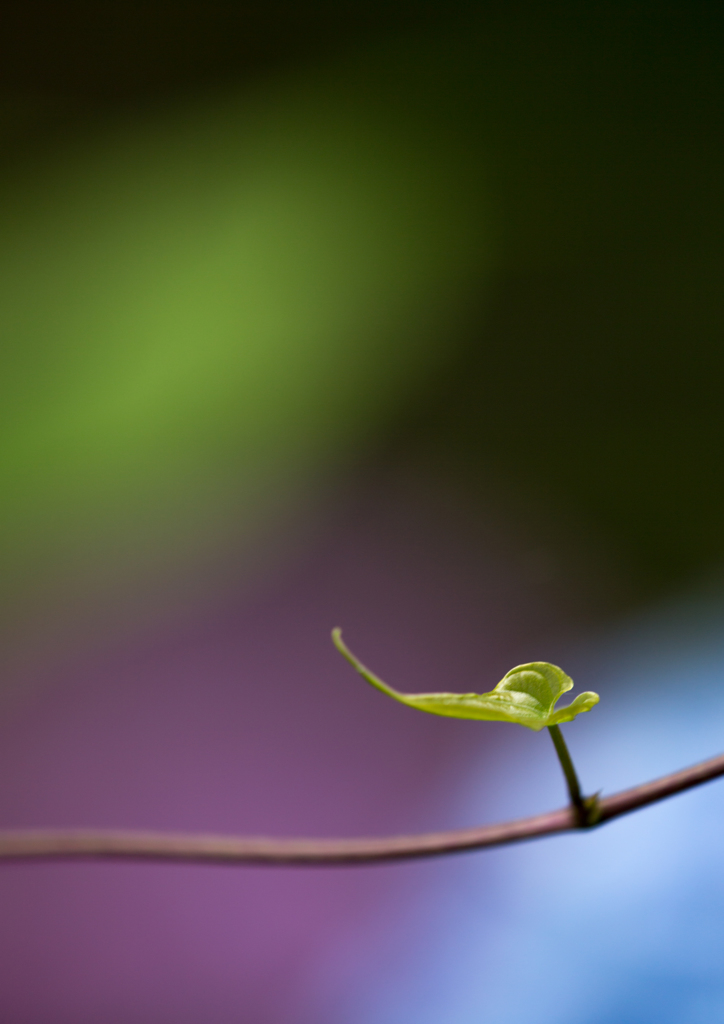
625 924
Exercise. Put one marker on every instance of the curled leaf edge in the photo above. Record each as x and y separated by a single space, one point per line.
557 716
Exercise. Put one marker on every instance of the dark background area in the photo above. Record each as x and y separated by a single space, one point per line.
592 376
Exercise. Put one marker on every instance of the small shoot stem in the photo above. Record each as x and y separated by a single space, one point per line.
586 808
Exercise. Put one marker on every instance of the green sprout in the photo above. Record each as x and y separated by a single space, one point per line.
526 695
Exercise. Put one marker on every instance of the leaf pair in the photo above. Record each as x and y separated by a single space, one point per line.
526 695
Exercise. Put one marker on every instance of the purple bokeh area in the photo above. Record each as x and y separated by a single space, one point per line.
245 719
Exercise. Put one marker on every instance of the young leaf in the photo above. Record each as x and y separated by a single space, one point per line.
526 695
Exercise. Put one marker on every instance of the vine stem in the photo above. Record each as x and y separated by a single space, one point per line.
582 807
53 844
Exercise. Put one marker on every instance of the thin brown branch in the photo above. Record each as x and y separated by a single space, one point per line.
47 844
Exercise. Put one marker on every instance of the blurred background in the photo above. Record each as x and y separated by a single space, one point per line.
401 318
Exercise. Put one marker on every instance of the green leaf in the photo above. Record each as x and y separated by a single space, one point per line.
526 695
